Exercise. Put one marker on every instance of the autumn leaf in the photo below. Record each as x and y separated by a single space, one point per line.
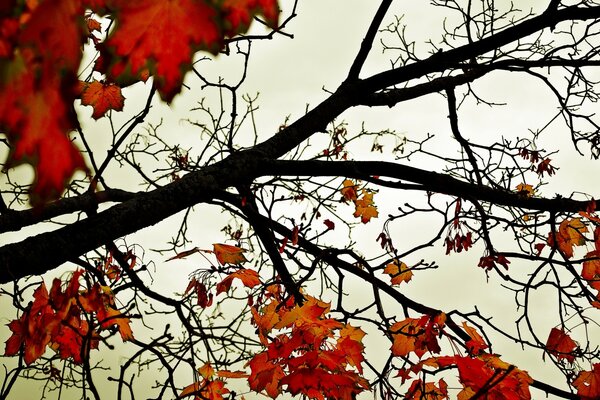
227 254
204 299
102 97
398 273
349 191
37 120
476 344
417 335
591 269
239 13
525 190
365 208
570 234
420 390
114 317
561 345
265 375
161 36
587 383
248 277
223 373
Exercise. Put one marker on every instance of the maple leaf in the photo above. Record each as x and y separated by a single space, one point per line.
248 277
587 383
349 191
102 97
223 373
417 335
227 254
398 273
490 375
204 298
112 317
591 269
570 234
239 13
476 344
161 36
525 190
265 375
365 208
561 345
36 119
420 390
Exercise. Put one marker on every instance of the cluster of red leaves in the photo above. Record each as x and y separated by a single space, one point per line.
41 50
306 352
480 373
364 206
417 335
456 239
69 321
534 157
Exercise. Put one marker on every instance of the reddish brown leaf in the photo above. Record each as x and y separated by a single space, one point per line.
248 277
587 383
398 273
239 13
102 97
227 254
561 345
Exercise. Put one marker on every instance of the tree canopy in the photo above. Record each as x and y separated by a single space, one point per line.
427 229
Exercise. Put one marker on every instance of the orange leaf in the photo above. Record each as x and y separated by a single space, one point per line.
561 345
103 97
570 234
231 374
265 375
398 273
365 209
525 190
114 317
476 344
587 383
248 277
206 371
349 191
227 254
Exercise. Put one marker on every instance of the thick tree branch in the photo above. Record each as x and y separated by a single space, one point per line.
41 253
15 220
367 43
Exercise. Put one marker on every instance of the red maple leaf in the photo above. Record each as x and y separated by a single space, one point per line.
587 383
161 36
239 13
248 277
101 96
561 345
